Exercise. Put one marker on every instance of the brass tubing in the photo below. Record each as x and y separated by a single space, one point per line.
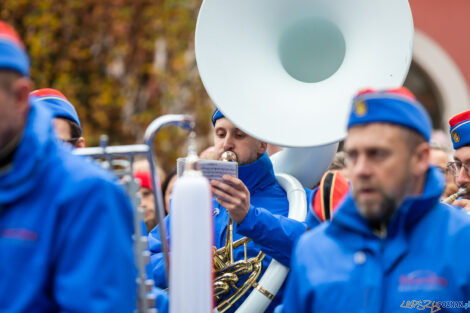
461 192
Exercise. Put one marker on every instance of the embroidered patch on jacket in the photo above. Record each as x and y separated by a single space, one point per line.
22 234
422 280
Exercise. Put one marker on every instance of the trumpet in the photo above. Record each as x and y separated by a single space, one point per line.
461 192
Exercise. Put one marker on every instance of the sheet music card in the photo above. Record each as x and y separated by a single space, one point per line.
211 169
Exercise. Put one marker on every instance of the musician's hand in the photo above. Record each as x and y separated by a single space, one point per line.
463 203
233 195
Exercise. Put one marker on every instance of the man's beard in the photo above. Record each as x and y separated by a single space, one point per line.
380 213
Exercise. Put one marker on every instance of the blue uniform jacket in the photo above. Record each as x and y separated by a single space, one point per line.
342 266
265 222
312 220
65 230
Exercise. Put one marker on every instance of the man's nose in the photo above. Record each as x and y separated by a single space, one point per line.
462 177
228 143
362 167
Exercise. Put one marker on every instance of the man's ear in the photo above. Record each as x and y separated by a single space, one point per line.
262 148
421 158
80 143
21 89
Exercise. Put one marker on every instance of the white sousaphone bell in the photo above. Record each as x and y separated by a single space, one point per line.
285 72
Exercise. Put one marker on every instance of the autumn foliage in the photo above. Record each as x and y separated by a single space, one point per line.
122 63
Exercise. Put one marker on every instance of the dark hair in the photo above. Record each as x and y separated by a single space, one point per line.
339 162
75 132
74 129
167 180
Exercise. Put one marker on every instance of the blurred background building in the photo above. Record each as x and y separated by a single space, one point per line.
440 71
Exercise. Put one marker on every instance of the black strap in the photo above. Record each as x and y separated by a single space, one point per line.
326 193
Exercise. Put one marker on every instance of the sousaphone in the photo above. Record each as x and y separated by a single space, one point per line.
285 71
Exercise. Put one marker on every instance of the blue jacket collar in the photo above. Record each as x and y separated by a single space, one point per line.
361 237
410 212
34 147
257 175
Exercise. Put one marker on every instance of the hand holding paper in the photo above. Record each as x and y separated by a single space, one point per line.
232 194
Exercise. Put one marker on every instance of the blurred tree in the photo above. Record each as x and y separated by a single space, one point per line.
122 63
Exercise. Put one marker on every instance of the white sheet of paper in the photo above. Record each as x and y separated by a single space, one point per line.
211 169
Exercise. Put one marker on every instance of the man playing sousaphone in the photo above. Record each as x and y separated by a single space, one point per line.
460 136
255 202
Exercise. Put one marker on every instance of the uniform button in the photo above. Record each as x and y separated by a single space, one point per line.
359 257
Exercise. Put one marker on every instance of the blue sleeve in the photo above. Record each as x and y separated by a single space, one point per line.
312 218
275 234
157 260
95 270
143 228
297 295
161 300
